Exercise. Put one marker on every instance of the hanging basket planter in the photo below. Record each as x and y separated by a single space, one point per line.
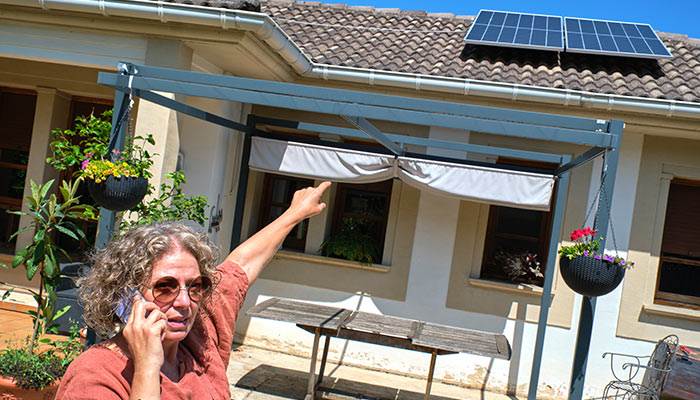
589 276
118 194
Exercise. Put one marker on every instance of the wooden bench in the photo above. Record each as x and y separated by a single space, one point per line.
378 329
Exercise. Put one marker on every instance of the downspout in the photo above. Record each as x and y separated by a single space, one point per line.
267 30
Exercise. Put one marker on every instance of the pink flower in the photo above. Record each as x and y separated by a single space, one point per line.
84 165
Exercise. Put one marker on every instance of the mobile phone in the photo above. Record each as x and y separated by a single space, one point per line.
126 303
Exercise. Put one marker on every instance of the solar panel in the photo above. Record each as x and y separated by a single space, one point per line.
509 29
592 36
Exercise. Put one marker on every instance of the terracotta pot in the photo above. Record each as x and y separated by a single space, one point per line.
8 391
589 276
118 194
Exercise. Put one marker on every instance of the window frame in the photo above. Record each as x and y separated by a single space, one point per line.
290 243
487 271
384 187
671 298
8 202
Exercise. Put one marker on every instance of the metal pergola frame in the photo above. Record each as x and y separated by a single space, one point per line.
357 108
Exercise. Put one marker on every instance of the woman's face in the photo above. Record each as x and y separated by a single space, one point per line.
181 312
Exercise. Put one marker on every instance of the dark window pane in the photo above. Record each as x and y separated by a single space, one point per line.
365 202
277 195
519 222
680 279
359 222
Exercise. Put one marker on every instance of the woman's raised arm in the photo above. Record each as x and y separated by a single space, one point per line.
256 252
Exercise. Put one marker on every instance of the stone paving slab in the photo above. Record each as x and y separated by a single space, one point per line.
259 374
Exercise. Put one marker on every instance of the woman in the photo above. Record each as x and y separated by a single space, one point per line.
168 347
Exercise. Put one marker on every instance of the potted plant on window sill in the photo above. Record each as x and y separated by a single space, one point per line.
117 180
587 270
30 368
520 266
352 244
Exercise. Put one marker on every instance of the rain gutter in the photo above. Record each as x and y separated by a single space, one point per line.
267 30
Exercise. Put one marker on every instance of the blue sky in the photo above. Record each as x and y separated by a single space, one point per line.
674 16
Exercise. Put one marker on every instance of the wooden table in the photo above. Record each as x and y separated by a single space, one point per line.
683 381
378 329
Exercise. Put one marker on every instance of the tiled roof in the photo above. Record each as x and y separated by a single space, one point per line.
432 44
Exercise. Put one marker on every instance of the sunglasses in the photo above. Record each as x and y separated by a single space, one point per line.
166 289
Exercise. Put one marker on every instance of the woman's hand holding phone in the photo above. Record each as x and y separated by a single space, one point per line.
144 332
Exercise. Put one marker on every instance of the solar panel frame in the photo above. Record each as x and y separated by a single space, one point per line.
613 38
532 31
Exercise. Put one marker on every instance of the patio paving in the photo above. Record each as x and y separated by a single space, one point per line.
259 374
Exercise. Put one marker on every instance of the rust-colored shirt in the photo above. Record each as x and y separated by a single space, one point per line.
105 372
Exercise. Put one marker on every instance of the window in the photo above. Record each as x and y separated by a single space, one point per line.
679 264
276 198
82 107
360 216
513 234
16 123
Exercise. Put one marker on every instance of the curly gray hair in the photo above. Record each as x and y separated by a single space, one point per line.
128 262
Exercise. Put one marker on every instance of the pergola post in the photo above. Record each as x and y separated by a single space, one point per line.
558 218
585 327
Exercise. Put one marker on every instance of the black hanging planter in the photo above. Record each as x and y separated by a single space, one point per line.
589 276
118 194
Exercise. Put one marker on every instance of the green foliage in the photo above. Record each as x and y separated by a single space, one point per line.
40 256
352 243
29 370
87 146
171 204
34 371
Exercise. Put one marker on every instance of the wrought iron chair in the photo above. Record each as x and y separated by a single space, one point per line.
655 366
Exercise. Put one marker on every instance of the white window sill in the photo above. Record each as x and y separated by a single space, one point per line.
519 288
671 312
329 261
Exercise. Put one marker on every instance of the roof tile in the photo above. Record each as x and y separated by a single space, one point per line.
432 44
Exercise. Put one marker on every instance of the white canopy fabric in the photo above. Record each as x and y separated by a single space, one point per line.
319 162
467 182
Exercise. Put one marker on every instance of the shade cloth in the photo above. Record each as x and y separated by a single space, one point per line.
467 182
